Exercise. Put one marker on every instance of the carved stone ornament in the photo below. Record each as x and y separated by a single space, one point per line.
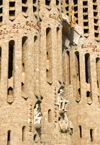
37 116
62 104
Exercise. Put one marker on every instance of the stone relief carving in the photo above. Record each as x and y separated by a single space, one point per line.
37 116
62 107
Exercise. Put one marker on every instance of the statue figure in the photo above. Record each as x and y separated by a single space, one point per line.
61 102
72 18
37 115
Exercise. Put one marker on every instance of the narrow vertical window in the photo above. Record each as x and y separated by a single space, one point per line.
88 78
12 11
91 135
24 8
68 67
59 57
24 66
23 133
49 115
77 66
36 65
8 137
1 11
10 71
11 57
80 130
49 55
98 78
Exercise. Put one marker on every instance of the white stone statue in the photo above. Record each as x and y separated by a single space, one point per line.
37 115
61 102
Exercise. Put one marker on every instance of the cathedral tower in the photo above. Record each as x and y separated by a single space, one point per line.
49 72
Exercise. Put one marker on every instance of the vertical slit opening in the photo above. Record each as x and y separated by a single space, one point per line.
68 58
8 137
23 133
49 115
87 67
80 130
91 134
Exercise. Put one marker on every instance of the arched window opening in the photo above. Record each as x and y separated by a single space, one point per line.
49 55
68 68
49 115
36 64
10 91
24 8
77 65
88 94
12 11
23 133
80 130
8 137
88 78
11 59
87 67
59 57
11 62
24 65
91 135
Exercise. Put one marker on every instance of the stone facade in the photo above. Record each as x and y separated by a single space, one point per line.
49 73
